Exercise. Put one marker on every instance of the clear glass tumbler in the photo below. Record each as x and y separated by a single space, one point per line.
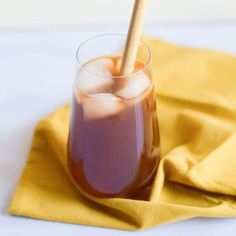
113 145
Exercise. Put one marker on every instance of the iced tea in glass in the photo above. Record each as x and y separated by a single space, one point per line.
113 146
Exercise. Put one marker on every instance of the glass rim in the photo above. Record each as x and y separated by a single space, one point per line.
146 64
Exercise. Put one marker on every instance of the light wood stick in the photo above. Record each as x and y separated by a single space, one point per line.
133 38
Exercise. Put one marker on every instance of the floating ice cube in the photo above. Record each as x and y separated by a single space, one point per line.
101 105
135 86
95 76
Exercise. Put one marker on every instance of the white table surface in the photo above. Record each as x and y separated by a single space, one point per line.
37 68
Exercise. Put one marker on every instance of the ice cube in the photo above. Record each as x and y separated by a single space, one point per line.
101 105
135 86
95 76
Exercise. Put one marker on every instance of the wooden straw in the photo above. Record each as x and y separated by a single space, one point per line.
133 39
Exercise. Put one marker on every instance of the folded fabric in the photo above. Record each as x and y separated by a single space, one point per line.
196 97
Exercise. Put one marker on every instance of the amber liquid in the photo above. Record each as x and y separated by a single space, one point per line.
115 155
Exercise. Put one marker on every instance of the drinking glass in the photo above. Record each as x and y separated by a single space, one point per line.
113 144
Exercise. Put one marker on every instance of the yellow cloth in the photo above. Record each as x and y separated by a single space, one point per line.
196 94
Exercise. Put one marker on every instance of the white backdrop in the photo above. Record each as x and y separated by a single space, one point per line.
110 12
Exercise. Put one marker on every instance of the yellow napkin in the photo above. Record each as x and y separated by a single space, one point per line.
196 94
